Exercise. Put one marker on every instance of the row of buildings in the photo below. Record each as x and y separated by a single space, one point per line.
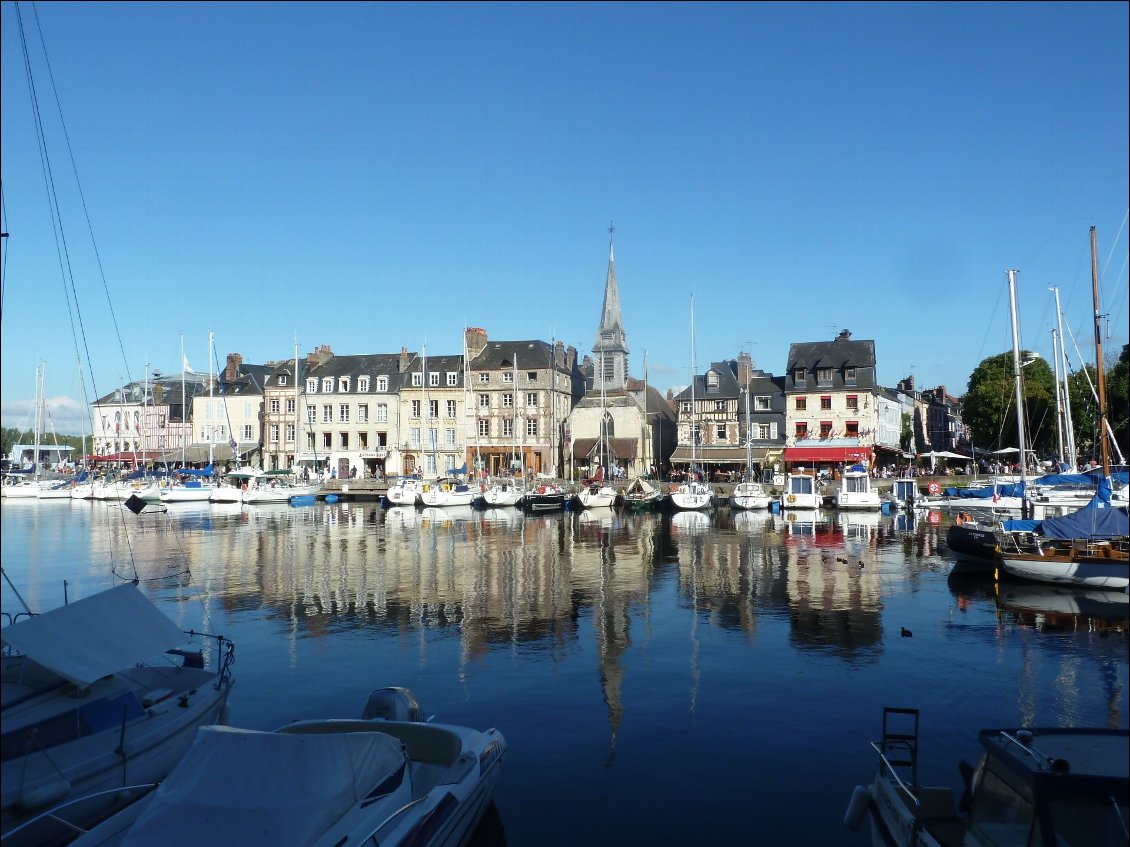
527 405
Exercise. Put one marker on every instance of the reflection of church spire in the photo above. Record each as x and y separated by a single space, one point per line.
611 348
611 621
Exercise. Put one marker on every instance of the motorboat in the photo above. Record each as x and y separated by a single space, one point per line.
801 492
405 491
234 483
856 491
98 694
546 496
1035 787
447 491
390 778
275 487
904 493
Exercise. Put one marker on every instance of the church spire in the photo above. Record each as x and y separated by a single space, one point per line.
611 349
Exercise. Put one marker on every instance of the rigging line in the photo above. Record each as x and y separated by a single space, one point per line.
86 212
1114 243
4 238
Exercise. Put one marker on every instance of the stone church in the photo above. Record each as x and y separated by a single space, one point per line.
639 429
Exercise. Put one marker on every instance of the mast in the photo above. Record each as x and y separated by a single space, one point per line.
427 415
183 408
553 404
1100 377
603 452
646 422
1019 391
694 411
518 422
748 438
1069 453
39 371
211 402
297 425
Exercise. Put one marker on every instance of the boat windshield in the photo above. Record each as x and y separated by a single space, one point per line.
1091 819
856 484
1001 815
801 484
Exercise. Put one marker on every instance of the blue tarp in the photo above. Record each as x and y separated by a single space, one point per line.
989 491
208 471
1098 519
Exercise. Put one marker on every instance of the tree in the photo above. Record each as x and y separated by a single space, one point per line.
1118 399
989 405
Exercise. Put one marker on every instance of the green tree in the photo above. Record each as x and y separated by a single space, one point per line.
989 405
1118 400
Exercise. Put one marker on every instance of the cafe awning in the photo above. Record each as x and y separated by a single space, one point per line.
707 455
815 455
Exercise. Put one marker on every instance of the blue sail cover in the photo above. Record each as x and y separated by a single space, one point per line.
208 471
1098 519
989 491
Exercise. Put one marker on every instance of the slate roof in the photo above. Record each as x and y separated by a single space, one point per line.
499 355
838 354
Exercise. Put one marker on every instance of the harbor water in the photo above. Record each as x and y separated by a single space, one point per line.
660 679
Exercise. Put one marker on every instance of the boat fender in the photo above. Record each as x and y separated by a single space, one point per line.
857 808
792 498
44 795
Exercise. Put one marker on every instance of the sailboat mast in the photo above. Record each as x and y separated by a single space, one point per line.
183 408
1069 451
748 437
211 403
694 411
603 423
1100 377
1019 389
38 416
518 422
297 413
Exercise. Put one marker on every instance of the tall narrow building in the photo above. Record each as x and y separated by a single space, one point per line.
610 353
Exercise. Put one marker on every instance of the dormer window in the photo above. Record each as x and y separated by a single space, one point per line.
800 375
282 379
712 379
343 384
849 376
382 383
363 384
433 379
824 376
453 378
417 379
328 385
312 385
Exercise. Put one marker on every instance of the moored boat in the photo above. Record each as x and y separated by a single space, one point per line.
856 491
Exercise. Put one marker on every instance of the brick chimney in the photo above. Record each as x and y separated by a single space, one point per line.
745 369
320 356
404 359
231 370
558 354
476 341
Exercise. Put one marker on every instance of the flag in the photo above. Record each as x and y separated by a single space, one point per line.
185 366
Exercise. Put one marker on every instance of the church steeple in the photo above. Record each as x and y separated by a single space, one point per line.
610 353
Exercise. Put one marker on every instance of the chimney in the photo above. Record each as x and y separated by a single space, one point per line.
403 359
745 369
320 356
571 357
476 341
231 370
558 354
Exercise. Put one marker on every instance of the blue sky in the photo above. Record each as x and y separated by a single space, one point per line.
378 176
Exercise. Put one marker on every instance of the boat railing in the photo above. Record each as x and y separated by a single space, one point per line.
1023 739
124 794
891 767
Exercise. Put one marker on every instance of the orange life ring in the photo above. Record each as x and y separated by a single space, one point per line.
934 488
673 488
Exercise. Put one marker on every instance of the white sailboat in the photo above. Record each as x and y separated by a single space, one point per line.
749 493
596 493
194 486
692 495
509 490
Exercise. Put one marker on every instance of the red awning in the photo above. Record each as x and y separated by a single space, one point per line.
812 455
129 456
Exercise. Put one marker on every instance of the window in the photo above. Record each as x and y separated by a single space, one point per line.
453 378
825 429
382 383
484 401
343 384
531 427
290 433
430 464
433 441
824 376
849 376
852 401
311 414
274 406
508 401
363 384
417 379
433 379
382 412
507 427
508 376
531 399
763 432
282 379
327 413
274 433
686 410
800 375
762 404
343 413
802 429
720 432
484 377
433 408
825 403
414 437
362 413
290 406
327 441
343 440
309 441
801 404
531 376
851 429
363 440
712 379
719 405
696 435
416 404
248 432
451 407
484 428
327 385
312 385
449 437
